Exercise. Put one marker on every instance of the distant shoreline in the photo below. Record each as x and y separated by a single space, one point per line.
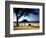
28 22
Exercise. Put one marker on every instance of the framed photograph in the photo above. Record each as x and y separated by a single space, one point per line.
24 18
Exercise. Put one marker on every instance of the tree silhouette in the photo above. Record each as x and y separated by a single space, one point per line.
16 10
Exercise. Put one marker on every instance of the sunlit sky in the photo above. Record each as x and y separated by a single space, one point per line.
31 17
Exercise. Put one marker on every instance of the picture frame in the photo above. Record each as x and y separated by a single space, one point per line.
10 5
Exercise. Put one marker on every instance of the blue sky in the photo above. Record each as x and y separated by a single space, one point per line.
34 16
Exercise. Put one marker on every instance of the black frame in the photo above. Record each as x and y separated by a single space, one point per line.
7 18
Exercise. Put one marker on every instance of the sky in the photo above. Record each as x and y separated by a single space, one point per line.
33 16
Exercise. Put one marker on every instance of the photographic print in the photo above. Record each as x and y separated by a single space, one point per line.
24 18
